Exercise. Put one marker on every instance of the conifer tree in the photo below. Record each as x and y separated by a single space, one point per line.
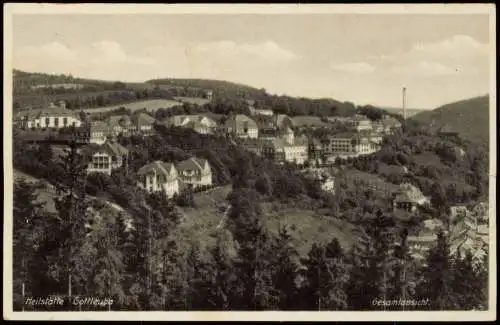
404 277
73 215
326 277
28 235
285 270
468 285
437 276
223 278
253 264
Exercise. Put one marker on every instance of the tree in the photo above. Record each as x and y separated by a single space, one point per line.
437 276
326 277
264 184
404 278
438 198
284 270
371 262
28 234
254 286
223 279
468 283
72 207
102 251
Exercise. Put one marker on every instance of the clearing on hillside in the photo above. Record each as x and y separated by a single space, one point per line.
150 105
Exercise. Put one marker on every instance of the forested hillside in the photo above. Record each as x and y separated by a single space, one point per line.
469 117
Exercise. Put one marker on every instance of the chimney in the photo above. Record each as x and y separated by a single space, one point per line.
404 103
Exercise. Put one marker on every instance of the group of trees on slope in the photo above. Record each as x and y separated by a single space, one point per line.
76 252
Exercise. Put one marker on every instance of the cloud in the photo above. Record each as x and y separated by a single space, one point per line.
113 52
455 47
354 67
103 56
459 54
49 50
426 69
266 51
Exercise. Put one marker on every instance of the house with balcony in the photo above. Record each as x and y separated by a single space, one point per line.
159 176
106 157
194 172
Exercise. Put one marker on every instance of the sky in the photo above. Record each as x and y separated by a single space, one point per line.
365 59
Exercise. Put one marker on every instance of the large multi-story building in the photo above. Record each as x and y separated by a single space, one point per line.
360 123
286 148
96 132
53 117
349 144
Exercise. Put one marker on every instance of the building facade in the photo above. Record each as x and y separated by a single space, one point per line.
195 172
241 126
159 176
105 158
53 117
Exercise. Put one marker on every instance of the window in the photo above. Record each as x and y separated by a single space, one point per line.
56 121
65 121
47 121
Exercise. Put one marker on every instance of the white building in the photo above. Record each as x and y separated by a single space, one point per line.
159 176
195 172
286 148
104 158
241 126
53 117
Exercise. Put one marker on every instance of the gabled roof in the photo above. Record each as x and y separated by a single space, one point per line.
116 148
98 126
46 112
119 120
192 163
408 193
157 166
239 120
111 148
143 119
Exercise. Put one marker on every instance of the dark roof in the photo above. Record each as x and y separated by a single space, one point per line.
112 148
143 119
158 166
119 120
191 164
48 111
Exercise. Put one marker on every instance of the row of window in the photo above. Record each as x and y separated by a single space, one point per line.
100 165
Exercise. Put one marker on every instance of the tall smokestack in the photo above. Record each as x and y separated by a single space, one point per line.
404 103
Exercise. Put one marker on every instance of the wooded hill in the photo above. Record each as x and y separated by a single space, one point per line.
470 118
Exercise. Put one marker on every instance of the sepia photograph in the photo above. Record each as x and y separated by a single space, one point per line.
249 162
